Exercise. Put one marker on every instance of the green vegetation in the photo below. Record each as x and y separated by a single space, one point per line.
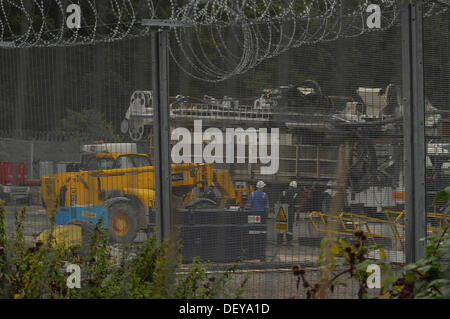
86 125
429 277
151 270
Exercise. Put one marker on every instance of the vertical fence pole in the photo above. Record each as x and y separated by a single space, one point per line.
414 129
161 133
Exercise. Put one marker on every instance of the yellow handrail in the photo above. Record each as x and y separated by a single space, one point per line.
443 221
361 222
358 222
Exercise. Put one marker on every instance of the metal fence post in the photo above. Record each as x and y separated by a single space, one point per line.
161 133
414 130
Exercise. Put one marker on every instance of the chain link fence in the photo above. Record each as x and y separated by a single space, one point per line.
265 163
436 86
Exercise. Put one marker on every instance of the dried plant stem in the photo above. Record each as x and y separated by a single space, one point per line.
337 204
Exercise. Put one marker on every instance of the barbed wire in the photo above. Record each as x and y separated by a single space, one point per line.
264 36
37 23
30 23
219 39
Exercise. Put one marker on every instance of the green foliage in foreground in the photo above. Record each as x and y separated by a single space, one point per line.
151 270
428 278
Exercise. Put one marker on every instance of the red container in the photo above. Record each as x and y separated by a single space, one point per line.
445 127
33 182
12 173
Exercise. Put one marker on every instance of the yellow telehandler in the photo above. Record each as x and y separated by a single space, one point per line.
119 186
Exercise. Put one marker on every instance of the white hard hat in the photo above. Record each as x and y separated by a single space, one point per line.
260 184
293 184
330 188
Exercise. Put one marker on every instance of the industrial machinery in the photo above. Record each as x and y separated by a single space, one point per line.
382 223
312 125
116 183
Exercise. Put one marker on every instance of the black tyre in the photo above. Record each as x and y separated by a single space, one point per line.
87 231
122 223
